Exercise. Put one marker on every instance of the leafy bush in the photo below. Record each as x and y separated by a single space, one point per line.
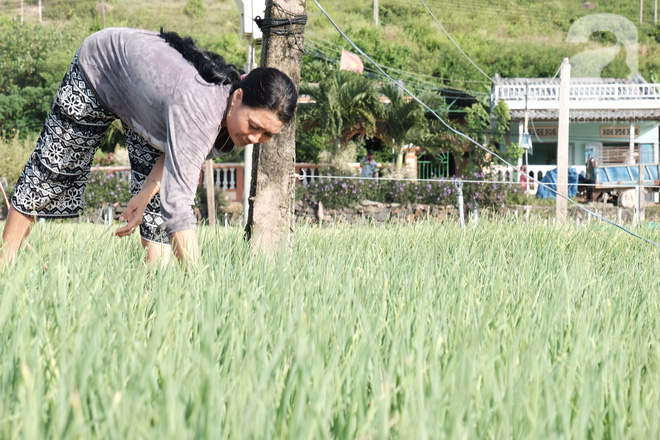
343 192
102 159
33 60
194 8
106 188
220 203
14 154
309 143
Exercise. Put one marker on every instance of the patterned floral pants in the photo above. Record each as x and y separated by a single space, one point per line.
53 182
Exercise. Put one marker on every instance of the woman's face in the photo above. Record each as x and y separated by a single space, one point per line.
248 125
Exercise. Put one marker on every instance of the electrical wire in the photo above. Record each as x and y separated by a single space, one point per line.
316 177
320 41
455 44
424 86
541 13
411 76
493 153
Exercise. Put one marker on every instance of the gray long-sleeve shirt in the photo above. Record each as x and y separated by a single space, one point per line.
161 96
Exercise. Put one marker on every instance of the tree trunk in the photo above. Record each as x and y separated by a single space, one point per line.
272 194
399 159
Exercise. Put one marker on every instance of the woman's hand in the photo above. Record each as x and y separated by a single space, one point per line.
138 203
132 214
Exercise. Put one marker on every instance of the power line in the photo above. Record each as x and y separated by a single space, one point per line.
316 39
493 153
455 44
540 13
321 177
418 79
321 42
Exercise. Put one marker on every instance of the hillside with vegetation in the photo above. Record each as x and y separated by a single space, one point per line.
511 38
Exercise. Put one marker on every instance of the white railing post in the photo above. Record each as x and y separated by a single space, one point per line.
459 193
306 173
224 179
232 178
217 178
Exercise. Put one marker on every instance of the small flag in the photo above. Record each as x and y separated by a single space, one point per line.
350 61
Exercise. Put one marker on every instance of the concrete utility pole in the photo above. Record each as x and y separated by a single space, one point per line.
210 191
638 212
249 9
562 141
249 149
376 13
272 193
526 133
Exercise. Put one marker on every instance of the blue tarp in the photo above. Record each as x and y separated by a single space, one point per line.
550 179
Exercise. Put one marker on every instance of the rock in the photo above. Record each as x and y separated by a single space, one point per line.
588 5
370 203
419 213
395 205
381 216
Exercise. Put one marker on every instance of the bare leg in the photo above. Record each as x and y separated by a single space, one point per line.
156 252
17 228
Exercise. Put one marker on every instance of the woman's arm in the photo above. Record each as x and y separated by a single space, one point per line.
136 206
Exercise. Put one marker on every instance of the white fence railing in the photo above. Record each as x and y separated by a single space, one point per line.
506 174
582 96
550 92
228 177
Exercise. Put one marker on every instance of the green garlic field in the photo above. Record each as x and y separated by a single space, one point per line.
506 330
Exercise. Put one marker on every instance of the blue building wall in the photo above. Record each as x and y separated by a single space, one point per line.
580 135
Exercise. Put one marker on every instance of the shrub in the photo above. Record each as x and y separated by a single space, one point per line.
103 160
106 188
342 192
14 153
220 203
194 8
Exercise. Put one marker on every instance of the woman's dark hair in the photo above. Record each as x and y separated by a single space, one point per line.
264 87
211 66
271 89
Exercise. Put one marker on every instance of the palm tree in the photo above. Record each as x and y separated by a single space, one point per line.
345 102
404 122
